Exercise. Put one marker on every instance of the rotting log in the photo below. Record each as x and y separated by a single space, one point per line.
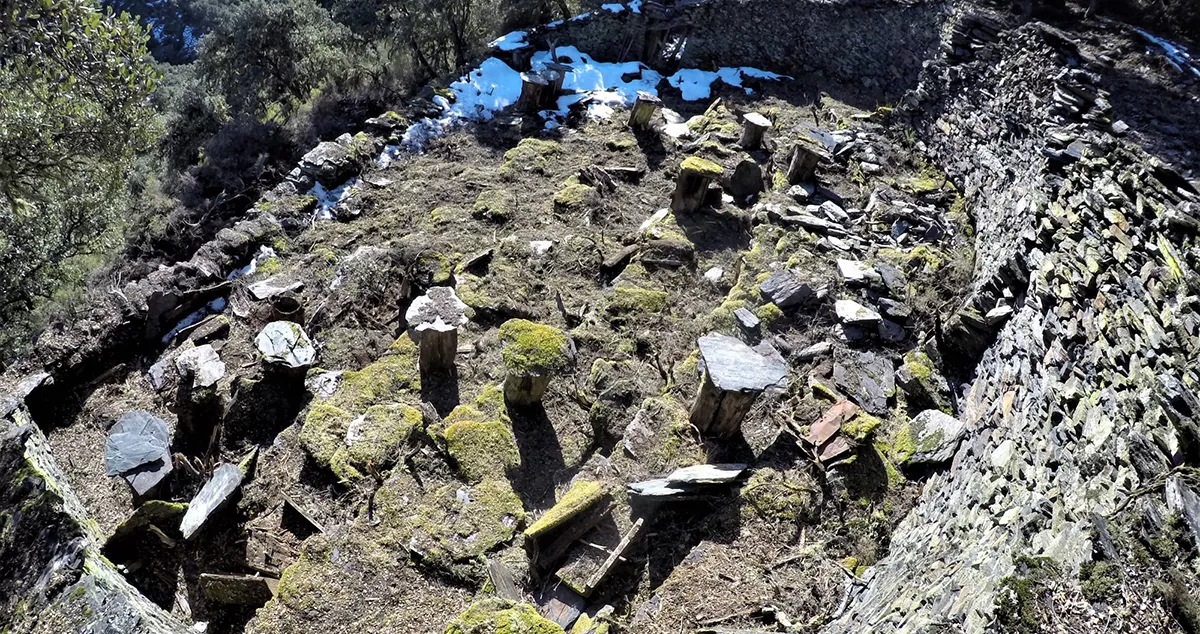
691 188
435 318
802 164
643 110
754 129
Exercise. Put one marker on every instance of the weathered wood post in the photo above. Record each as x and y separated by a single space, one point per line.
754 127
734 375
802 164
643 110
534 88
556 73
533 354
695 175
436 317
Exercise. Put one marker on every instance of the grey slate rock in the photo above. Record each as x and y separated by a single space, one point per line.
225 480
936 436
815 351
202 364
869 379
136 439
329 164
735 367
746 319
285 344
785 290
891 331
689 481
1183 500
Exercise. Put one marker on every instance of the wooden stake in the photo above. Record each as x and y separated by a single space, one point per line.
643 110
691 188
600 574
534 88
754 127
525 389
802 164
718 412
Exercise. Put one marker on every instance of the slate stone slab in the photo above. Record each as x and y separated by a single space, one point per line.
936 436
136 439
689 481
785 290
438 309
203 364
853 313
734 366
225 480
869 379
285 344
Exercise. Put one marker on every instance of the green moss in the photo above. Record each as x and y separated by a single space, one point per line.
861 426
1099 579
482 450
498 616
631 300
769 314
779 181
581 496
777 496
919 365
530 155
586 625
1016 600
497 205
324 431
618 144
701 167
903 445
269 266
533 348
572 196
326 254
452 524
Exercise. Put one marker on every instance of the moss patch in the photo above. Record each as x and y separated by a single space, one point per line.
453 524
701 166
582 495
530 155
482 450
497 205
861 426
573 195
497 616
531 348
632 300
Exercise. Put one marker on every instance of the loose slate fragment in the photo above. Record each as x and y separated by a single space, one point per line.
138 448
438 309
224 482
785 290
285 344
238 589
203 364
831 423
855 314
689 482
936 436
735 367
269 288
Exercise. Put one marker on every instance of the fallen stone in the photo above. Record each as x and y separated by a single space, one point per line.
329 164
202 364
785 290
891 331
834 212
801 193
815 351
285 344
690 482
269 288
238 589
224 481
138 449
853 272
439 308
935 436
853 313
746 319
714 274
869 379
747 180
998 315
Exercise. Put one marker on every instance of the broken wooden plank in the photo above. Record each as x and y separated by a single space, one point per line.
502 579
238 589
600 574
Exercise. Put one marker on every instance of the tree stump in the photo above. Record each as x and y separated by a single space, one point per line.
691 188
533 354
435 318
643 110
522 59
534 88
734 375
802 164
556 73
754 128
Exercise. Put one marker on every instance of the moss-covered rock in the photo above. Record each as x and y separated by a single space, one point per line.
701 166
482 450
923 385
573 195
498 616
632 300
530 155
861 426
452 524
497 205
533 349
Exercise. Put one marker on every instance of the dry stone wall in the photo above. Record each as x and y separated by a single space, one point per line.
1088 391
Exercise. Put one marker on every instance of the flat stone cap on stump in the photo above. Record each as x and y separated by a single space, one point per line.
700 166
757 119
438 309
285 344
734 366
138 449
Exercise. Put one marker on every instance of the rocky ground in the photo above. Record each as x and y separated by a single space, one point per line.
956 390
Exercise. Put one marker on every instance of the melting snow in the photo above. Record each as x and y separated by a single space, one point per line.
264 253
613 8
1176 54
511 41
327 199
215 306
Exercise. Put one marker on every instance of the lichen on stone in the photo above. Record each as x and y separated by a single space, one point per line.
499 616
573 195
582 495
700 166
497 205
530 155
632 300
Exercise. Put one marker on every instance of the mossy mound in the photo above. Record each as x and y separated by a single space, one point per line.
701 166
533 349
484 450
582 495
530 155
365 420
497 616
779 496
497 205
573 195
449 525
861 426
632 300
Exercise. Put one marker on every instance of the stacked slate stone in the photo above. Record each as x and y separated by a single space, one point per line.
1096 261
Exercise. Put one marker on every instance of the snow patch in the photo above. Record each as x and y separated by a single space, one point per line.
511 41
264 253
1176 54
613 8
327 199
